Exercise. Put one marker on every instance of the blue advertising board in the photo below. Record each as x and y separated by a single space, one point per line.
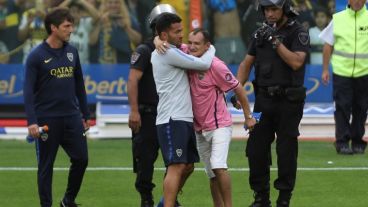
109 82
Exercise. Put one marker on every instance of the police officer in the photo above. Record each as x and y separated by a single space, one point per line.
143 101
278 52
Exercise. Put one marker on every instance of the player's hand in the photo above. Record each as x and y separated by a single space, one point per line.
325 77
250 123
33 130
86 124
161 46
135 121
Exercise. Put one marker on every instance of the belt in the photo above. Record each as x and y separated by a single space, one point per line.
273 91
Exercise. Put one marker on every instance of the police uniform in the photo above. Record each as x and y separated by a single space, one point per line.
280 97
145 142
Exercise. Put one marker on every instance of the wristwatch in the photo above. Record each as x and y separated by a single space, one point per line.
250 116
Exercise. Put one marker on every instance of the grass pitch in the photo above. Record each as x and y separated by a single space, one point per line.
324 178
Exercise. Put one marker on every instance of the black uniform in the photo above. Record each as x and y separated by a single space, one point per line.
145 142
54 95
280 97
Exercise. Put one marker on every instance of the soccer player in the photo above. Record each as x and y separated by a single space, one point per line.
174 112
143 100
54 95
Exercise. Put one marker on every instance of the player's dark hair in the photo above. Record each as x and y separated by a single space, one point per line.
205 33
165 20
57 17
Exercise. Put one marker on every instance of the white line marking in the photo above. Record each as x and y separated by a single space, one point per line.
196 169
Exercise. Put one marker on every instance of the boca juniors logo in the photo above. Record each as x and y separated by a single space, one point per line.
70 56
228 77
179 152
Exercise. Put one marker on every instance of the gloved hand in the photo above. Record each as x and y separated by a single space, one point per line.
266 32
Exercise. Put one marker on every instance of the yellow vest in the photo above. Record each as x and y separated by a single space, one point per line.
350 55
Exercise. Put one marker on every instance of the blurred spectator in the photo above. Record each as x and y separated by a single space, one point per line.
116 33
305 10
331 5
181 7
321 17
10 15
4 57
250 19
226 26
31 28
139 10
82 26
93 48
94 3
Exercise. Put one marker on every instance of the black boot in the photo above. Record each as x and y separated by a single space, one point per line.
147 201
261 199
284 199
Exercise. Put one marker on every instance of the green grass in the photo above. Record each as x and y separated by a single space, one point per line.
326 188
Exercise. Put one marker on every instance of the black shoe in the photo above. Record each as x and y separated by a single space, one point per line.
282 204
147 203
358 150
69 204
261 200
343 149
257 204
284 198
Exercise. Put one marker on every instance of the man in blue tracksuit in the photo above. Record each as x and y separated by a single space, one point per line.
55 96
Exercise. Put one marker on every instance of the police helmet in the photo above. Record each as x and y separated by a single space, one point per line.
157 10
284 4
278 3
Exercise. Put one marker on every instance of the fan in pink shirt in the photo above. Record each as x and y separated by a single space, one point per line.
212 120
207 92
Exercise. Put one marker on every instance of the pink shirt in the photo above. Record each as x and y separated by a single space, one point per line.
208 100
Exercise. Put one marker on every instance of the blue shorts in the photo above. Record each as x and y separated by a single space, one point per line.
177 142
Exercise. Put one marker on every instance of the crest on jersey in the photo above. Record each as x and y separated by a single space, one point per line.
70 56
179 152
135 56
228 77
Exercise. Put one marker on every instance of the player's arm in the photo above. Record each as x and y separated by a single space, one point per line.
28 90
178 58
135 76
80 92
242 98
244 69
328 37
296 54
294 59
327 52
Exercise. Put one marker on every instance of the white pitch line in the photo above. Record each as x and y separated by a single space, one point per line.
196 169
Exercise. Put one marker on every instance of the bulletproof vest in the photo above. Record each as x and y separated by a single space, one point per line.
270 69
147 93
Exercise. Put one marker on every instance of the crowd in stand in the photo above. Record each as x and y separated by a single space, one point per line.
106 31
